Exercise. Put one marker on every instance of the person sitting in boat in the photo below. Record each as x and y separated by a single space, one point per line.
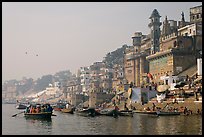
43 108
67 106
49 108
27 110
38 110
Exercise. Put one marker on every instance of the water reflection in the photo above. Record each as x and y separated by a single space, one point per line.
38 126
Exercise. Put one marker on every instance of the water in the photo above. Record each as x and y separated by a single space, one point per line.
73 124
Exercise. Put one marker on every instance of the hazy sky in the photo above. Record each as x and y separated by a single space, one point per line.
69 35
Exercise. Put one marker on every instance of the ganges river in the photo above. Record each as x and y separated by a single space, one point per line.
73 124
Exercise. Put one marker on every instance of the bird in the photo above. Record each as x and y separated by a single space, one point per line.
26 52
36 54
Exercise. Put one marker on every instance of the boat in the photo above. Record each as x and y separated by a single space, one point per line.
59 106
167 113
86 112
39 111
125 113
21 106
68 110
109 112
42 115
146 112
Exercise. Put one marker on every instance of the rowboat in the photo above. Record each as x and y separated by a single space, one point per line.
146 112
86 112
68 110
21 106
42 115
109 112
125 113
167 113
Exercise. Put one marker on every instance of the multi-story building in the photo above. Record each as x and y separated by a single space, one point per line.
196 14
118 81
169 51
177 50
85 79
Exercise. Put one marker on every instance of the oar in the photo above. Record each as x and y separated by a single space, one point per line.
17 113
54 115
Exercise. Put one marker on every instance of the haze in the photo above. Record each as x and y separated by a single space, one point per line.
48 37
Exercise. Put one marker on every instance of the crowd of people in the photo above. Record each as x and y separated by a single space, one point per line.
38 108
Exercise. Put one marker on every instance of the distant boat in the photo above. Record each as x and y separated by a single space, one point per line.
125 113
167 113
146 112
21 106
68 110
86 112
109 112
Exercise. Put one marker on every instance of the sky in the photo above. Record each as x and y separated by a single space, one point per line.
42 38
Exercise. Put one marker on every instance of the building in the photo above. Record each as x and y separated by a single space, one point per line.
196 14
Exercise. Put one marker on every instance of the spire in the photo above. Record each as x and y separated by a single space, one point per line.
182 17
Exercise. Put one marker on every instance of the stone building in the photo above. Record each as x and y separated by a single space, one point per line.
196 14
169 51
177 50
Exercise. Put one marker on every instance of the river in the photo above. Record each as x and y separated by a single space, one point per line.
73 124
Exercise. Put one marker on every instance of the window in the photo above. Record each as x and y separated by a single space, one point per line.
174 43
197 16
190 31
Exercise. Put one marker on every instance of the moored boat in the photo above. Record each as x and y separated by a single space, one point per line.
21 106
109 112
125 113
86 112
68 110
167 113
146 112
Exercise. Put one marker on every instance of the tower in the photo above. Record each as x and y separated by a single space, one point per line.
154 26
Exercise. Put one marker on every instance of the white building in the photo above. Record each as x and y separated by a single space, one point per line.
85 78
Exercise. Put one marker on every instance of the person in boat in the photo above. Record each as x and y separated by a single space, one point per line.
67 106
38 109
49 108
27 110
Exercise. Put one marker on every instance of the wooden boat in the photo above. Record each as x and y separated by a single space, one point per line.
21 106
125 113
42 115
109 112
86 112
146 112
68 110
59 106
167 113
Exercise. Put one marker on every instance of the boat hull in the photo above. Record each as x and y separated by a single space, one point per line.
147 112
125 113
163 113
44 115
21 106
109 112
69 110
86 112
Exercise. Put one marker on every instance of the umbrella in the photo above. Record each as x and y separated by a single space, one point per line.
162 88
